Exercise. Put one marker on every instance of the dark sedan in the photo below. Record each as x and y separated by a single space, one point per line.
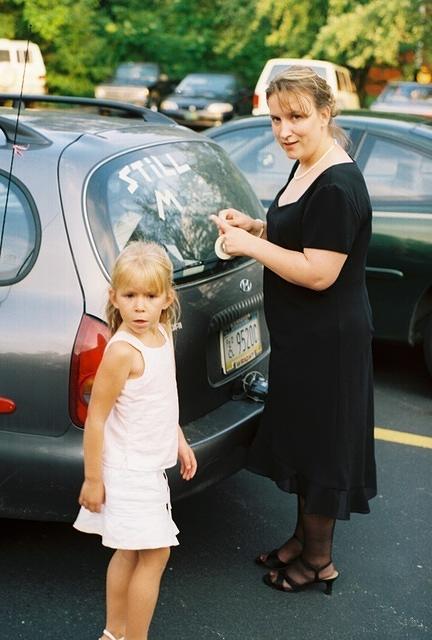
395 156
207 99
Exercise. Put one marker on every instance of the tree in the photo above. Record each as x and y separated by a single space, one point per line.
364 33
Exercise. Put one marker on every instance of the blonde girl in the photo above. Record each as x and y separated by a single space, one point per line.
131 436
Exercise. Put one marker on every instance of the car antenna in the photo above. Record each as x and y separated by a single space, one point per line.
16 149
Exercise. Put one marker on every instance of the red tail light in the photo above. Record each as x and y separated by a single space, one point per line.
90 343
255 101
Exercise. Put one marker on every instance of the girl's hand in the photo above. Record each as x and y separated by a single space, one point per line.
186 456
92 495
237 241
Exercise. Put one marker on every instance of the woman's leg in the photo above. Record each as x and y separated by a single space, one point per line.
144 590
120 570
293 546
317 552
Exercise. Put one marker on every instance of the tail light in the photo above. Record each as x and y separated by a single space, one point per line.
89 346
255 101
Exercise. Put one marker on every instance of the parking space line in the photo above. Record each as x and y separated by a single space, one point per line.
402 437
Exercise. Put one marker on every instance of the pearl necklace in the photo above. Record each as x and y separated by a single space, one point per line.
296 177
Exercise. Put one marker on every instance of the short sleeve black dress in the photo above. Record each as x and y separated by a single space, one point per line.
316 434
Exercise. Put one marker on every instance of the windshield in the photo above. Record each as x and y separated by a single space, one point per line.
136 73
166 194
206 85
408 92
278 68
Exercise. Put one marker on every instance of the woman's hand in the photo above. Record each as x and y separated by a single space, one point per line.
92 495
236 240
186 456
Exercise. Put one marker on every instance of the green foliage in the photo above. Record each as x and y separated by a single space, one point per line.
84 40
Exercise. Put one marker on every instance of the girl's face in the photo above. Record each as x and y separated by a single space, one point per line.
299 127
139 308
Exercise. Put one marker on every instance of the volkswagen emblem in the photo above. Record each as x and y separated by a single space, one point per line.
245 285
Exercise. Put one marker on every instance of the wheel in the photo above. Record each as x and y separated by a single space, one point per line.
427 344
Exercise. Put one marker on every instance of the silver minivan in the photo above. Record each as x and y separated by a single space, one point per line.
82 186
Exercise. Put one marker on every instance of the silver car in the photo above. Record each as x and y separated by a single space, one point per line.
75 188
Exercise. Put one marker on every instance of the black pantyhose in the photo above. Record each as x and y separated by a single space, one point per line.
317 551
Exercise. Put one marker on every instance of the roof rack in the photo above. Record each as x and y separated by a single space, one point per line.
129 109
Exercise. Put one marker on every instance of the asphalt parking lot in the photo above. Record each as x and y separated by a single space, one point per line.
52 578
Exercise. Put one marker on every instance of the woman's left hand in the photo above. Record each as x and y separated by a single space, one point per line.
236 241
186 456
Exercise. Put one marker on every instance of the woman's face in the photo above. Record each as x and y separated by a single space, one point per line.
298 126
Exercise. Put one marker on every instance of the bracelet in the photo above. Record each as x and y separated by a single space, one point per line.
262 227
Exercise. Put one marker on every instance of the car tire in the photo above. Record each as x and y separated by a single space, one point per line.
427 344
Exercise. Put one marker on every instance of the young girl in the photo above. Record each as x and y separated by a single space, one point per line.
131 436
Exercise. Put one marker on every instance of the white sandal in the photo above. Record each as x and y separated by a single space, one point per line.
109 635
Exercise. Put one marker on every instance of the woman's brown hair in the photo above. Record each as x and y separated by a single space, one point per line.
302 82
146 265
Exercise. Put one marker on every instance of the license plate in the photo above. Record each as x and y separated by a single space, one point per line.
240 342
191 115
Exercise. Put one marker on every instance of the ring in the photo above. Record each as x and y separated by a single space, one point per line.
219 249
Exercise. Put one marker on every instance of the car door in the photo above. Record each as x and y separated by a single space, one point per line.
399 272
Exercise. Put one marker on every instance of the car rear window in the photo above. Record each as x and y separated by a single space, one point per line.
166 194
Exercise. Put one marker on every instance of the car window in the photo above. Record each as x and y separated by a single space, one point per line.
396 172
166 194
19 233
340 80
278 68
4 55
257 154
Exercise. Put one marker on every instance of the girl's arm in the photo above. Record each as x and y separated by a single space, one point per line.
188 463
111 376
314 269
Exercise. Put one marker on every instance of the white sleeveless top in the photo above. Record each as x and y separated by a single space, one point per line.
141 431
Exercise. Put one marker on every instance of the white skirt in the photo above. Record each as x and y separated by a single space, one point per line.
136 514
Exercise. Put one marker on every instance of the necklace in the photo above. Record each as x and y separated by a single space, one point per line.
296 177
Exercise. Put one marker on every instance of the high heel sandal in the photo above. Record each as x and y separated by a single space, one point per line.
273 561
281 577
109 635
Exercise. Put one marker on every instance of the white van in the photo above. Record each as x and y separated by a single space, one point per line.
339 79
12 58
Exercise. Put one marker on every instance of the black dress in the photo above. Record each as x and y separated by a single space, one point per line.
316 433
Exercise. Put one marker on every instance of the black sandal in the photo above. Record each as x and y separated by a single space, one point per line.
273 561
281 577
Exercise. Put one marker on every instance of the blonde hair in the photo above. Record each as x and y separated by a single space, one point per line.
147 265
303 82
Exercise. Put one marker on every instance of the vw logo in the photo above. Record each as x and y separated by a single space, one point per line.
245 285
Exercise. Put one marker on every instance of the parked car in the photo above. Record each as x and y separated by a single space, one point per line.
82 186
140 83
12 62
207 99
395 156
339 79
405 97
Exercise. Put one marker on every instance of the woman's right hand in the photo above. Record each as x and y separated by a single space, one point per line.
92 495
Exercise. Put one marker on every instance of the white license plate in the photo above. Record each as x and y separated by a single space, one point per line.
240 343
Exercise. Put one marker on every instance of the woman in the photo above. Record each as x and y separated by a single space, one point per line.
316 435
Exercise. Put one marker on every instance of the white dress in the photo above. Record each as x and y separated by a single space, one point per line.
140 442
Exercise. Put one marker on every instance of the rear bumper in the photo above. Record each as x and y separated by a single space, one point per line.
40 476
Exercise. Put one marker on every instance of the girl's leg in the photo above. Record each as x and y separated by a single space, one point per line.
144 590
119 574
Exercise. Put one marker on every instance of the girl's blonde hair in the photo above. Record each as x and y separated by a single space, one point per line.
303 82
145 265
